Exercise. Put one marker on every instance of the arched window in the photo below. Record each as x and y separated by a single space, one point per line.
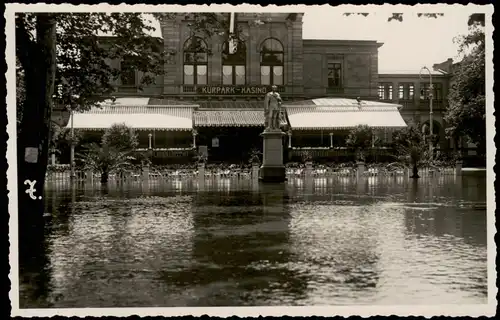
234 65
195 61
271 62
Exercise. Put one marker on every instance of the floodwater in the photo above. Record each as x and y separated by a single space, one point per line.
229 242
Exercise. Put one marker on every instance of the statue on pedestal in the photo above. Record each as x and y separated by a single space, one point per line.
272 109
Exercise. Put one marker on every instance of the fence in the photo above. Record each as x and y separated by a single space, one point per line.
147 174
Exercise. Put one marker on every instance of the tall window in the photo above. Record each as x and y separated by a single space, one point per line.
271 62
385 91
127 72
334 75
437 92
195 61
234 65
406 91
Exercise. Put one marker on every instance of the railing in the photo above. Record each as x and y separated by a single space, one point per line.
338 152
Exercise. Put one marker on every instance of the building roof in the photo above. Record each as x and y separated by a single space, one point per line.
410 73
229 118
337 113
137 117
338 104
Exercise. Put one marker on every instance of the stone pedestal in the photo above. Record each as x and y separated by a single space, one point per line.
272 169
89 177
201 170
255 170
458 168
145 174
309 169
361 170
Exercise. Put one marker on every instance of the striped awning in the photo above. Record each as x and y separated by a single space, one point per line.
145 117
229 118
324 114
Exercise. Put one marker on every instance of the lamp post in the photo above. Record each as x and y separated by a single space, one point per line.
431 127
150 148
195 133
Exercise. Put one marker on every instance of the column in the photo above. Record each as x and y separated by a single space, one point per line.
195 133
289 139
331 139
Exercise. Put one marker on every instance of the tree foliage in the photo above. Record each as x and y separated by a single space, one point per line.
360 138
410 147
84 74
121 137
466 111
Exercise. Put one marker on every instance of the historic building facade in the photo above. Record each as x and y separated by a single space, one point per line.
211 95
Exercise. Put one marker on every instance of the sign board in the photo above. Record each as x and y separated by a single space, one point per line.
31 155
215 142
235 90
203 150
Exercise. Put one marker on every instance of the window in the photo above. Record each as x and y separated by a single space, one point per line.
437 91
334 75
195 61
234 65
127 73
385 91
406 91
271 62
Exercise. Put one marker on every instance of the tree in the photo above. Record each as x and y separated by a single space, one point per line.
105 159
360 138
466 111
64 50
120 137
410 147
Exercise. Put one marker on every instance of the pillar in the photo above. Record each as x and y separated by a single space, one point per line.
458 168
289 139
331 139
89 177
195 133
272 169
145 173
361 170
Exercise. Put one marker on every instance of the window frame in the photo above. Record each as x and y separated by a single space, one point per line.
437 88
272 65
406 91
387 89
124 70
195 63
341 80
234 63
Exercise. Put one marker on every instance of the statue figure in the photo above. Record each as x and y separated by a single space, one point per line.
272 109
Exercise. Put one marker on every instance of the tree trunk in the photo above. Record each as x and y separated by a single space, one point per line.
104 177
415 172
38 61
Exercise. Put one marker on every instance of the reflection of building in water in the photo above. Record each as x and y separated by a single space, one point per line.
336 247
115 248
241 246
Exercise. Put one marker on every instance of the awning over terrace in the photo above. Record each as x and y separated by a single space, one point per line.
334 113
229 118
136 113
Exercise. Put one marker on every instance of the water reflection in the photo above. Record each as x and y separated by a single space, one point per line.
230 242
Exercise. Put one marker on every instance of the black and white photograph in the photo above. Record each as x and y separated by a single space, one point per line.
247 160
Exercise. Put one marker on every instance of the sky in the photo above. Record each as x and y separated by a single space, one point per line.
408 45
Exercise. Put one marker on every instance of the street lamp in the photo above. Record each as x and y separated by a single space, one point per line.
431 88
